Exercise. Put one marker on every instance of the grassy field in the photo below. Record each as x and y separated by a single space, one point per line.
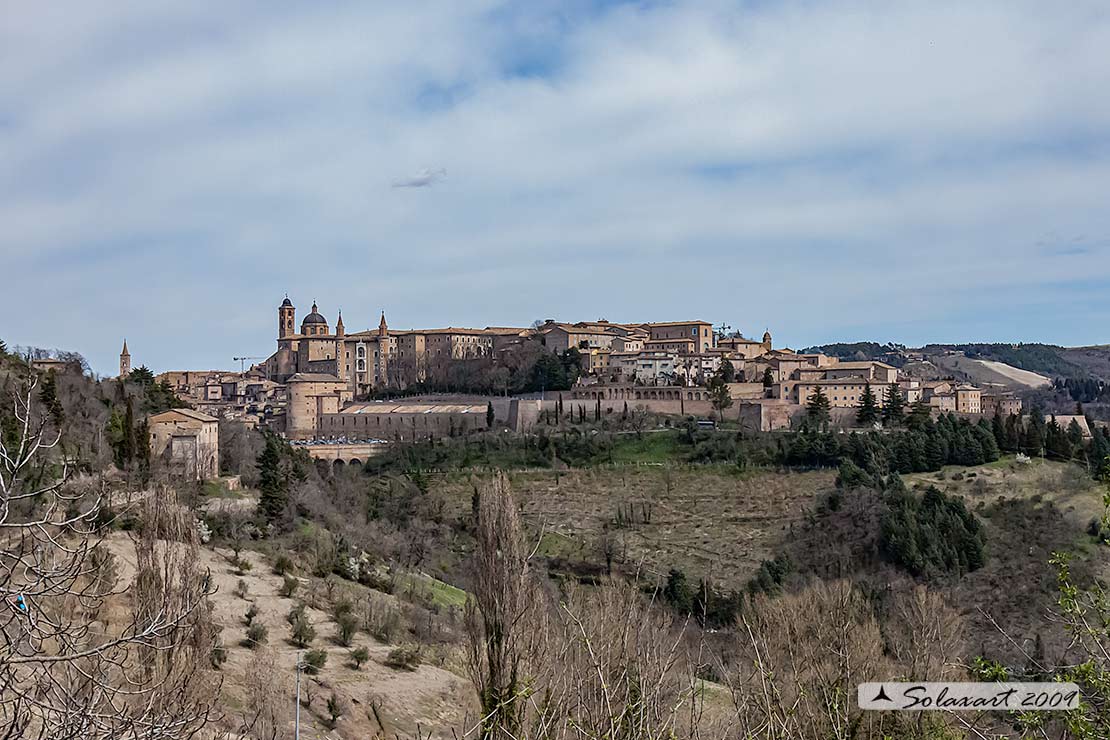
1067 485
705 520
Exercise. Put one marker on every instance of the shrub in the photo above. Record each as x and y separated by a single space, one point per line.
346 627
289 586
295 613
256 635
302 632
314 661
283 565
241 589
242 566
359 656
405 657
250 615
218 656
335 710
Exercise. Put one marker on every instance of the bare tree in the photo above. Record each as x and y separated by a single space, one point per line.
67 670
598 663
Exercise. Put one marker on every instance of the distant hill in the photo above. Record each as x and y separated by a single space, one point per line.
1048 361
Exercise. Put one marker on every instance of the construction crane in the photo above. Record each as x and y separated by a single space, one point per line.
242 360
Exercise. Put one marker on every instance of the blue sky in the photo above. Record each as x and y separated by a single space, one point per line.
829 170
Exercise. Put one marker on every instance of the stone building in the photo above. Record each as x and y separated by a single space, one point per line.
186 443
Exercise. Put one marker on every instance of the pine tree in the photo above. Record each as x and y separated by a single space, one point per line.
818 409
894 406
48 395
1013 433
272 481
489 415
867 413
998 429
920 415
1075 434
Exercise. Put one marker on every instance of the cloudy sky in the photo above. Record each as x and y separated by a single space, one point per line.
926 171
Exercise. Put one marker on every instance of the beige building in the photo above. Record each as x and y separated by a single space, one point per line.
1003 404
186 442
747 348
968 399
698 332
312 396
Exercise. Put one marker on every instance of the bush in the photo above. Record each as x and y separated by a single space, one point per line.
248 618
218 656
314 661
242 566
335 710
289 585
405 657
346 627
256 635
241 589
283 565
359 656
302 633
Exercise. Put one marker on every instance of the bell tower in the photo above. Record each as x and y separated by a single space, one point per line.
124 361
286 317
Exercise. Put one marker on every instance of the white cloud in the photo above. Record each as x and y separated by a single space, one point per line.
747 162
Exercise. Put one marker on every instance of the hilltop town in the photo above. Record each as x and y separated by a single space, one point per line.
323 382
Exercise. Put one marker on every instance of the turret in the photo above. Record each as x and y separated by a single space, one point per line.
767 340
383 328
339 330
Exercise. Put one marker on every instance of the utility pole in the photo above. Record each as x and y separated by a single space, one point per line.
297 716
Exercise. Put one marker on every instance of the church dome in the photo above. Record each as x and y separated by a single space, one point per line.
314 317
287 302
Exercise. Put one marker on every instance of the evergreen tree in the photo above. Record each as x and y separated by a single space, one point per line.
1056 442
1013 433
1075 435
272 481
727 371
717 390
998 429
894 406
489 415
920 415
1032 438
768 378
48 396
142 375
818 409
868 411
987 441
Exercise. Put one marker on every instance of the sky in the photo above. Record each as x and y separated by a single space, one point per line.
831 171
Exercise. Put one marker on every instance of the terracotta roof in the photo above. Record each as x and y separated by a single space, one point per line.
314 378
188 413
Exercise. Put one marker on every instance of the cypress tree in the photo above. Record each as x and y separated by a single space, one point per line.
272 483
489 415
